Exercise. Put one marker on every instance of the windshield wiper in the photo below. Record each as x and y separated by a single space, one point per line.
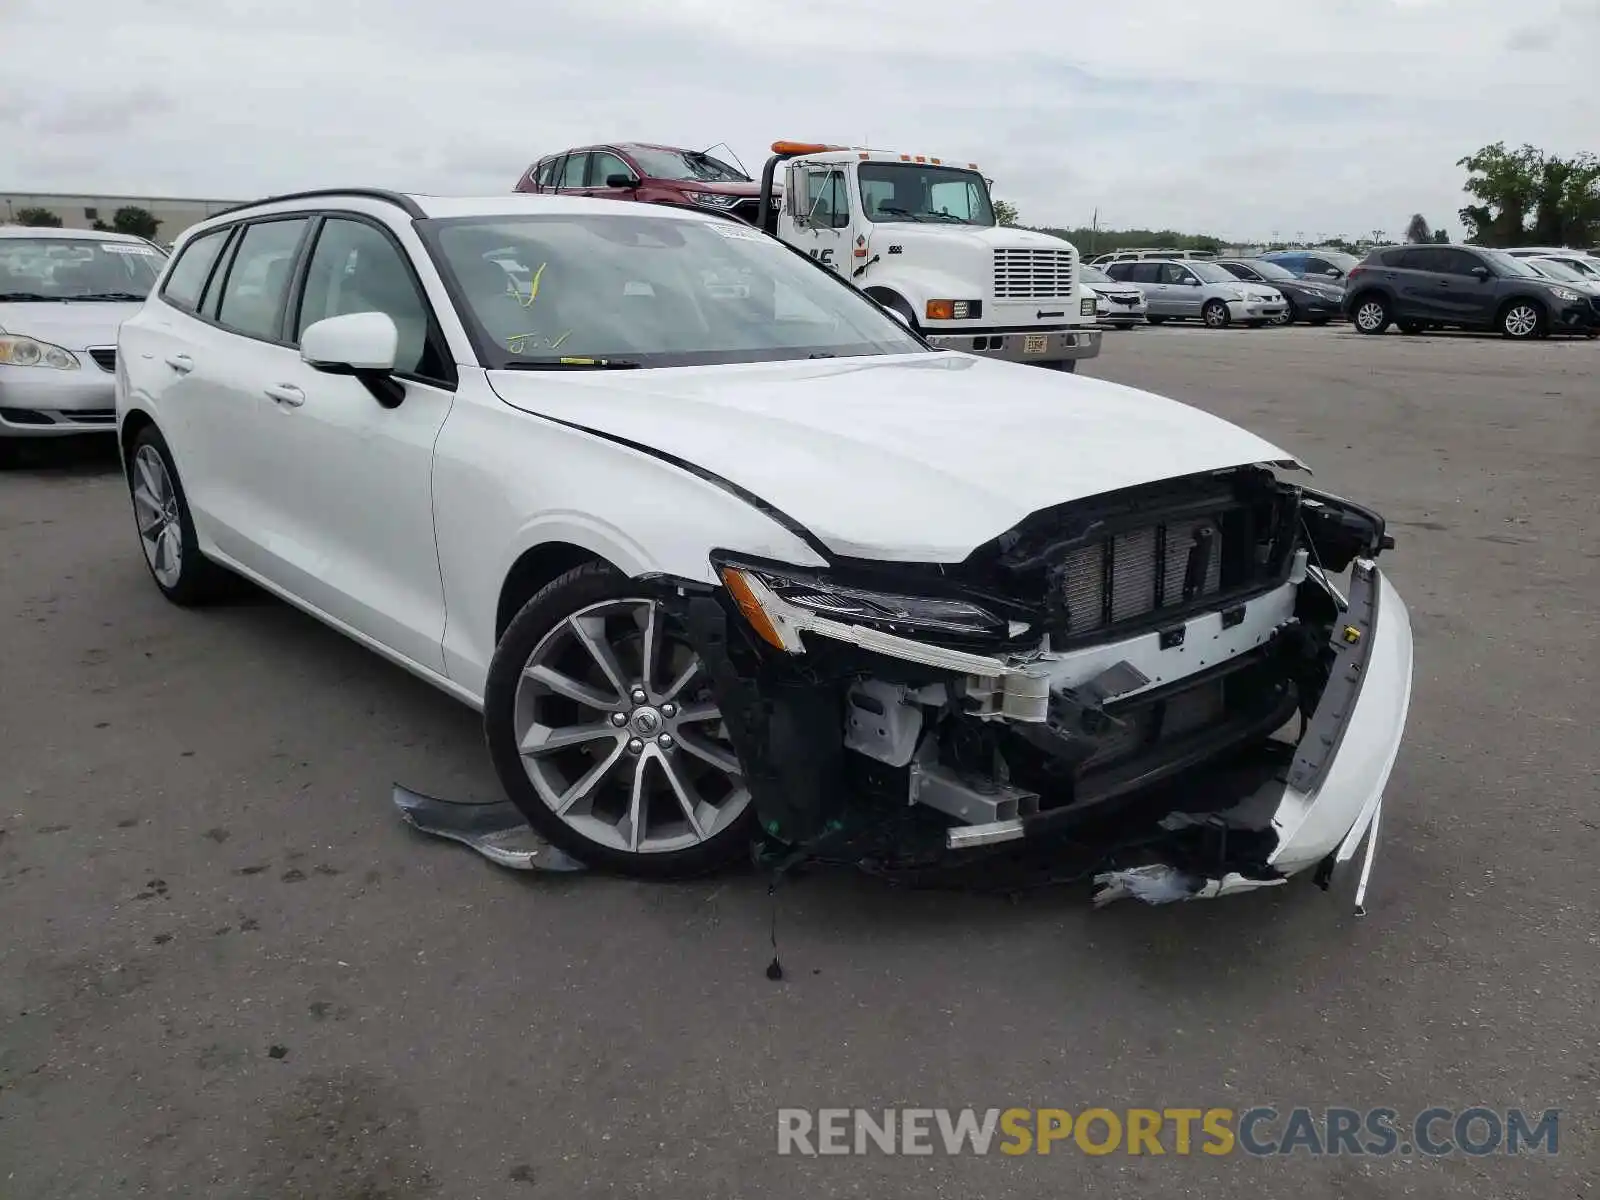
29 297
108 296
900 212
575 364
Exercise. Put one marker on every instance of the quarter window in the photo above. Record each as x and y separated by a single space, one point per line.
355 268
189 273
252 298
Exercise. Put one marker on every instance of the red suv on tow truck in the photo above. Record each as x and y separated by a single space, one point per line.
646 173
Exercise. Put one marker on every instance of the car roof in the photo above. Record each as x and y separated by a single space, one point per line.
81 235
420 206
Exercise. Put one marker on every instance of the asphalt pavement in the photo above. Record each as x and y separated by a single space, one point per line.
228 970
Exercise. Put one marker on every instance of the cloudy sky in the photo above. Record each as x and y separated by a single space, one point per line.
1239 117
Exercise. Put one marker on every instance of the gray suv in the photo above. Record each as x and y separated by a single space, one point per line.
1199 291
1464 287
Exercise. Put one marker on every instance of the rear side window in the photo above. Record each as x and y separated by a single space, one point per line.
1119 270
572 176
189 273
546 172
258 280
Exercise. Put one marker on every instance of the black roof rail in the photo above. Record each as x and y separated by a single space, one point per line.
399 199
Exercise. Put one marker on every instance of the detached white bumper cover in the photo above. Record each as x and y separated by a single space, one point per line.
1335 785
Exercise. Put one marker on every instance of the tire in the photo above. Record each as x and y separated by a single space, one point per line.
1522 320
1289 315
1370 314
585 633
165 527
1214 315
1155 320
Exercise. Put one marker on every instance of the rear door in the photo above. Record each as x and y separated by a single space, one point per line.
353 503
572 179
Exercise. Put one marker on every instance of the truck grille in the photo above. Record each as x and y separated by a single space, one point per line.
1132 574
1033 274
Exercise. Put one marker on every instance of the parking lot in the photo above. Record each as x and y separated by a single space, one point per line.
230 971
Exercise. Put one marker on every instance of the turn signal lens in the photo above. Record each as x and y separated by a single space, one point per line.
951 310
744 598
799 147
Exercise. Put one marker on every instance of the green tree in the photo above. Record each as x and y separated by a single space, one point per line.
1417 229
1527 195
140 222
1005 213
38 218
101 227
1442 236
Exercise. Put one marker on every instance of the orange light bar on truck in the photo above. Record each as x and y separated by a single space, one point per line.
801 147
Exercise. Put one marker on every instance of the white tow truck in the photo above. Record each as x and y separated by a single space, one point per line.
919 235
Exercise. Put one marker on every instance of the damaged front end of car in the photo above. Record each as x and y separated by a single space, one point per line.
1165 679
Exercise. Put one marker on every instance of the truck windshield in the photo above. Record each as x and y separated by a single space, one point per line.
689 166
576 290
918 192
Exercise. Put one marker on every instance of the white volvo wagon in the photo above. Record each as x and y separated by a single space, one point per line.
724 553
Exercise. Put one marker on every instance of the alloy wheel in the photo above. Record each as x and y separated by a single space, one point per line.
155 505
1215 314
1521 321
619 734
1370 316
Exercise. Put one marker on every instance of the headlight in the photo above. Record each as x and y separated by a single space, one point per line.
713 199
953 310
779 605
19 351
1086 307
1565 294
1234 294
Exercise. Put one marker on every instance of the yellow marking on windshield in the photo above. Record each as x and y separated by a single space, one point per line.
533 287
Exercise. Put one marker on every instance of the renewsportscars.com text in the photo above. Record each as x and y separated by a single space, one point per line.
1258 1131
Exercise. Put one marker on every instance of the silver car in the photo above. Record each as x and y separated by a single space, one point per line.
1117 305
63 294
1199 291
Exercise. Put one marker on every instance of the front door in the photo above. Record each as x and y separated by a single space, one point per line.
352 529
1180 289
1456 293
822 214
605 166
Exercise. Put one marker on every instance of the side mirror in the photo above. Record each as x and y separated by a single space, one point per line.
360 344
621 181
1480 273
1334 273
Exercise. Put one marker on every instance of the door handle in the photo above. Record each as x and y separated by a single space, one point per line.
286 394
181 363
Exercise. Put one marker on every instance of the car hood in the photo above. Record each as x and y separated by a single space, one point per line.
70 325
909 458
983 237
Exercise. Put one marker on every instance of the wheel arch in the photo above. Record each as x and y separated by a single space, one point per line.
135 423
1521 297
534 568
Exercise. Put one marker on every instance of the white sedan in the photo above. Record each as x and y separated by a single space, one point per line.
721 565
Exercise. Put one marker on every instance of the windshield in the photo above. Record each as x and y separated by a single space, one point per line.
43 269
1271 270
573 289
1505 264
916 192
1095 275
1210 272
1589 268
1551 269
690 166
